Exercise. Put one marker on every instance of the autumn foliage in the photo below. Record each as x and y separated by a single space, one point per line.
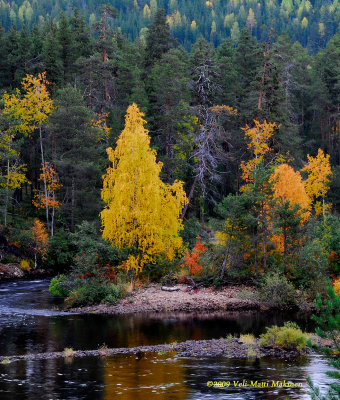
48 174
31 108
142 212
317 183
336 286
40 238
192 261
289 186
258 145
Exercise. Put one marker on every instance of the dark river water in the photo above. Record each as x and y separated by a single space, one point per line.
29 323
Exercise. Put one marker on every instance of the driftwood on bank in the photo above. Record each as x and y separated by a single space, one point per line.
170 289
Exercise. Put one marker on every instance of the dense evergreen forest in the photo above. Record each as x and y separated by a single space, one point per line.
231 124
312 23
176 143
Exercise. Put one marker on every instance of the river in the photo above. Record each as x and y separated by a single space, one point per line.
30 323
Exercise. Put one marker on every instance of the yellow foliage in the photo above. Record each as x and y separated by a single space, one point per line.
25 265
193 25
15 176
319 173
259 137
142 212
31 109
102 126
336 286
318 208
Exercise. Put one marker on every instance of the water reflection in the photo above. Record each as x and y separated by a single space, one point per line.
29 324
156 377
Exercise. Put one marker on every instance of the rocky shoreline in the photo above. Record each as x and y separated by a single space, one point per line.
229 347
152 299
13 271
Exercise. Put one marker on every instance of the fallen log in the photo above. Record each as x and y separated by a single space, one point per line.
170 289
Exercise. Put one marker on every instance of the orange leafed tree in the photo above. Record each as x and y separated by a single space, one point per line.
192 260
288 185
317 184
289 191
47 198
40 237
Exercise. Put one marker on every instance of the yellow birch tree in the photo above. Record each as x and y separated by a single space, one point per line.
142 212
317 184
30 110
259 137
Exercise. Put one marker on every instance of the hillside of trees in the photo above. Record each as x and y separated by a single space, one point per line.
311 22
240 142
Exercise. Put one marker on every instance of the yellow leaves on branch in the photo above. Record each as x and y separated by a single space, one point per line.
102 126
142 212
50 176
259 137
319 173
15 177
31 108
288 186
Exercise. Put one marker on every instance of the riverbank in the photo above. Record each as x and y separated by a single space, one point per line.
154 298
13 271
228 347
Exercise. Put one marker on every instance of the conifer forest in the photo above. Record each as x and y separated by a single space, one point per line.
170 156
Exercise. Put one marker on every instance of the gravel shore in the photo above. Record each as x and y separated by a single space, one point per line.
231 348
152 299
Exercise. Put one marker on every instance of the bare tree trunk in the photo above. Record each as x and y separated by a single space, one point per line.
225 261
192 190
259 105
44 174
52 219
72 205
105 58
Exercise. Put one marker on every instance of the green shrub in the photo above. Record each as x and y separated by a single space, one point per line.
289 336
8 259
115 293
60 253
311 268
57 286
95 292
161 268
276 290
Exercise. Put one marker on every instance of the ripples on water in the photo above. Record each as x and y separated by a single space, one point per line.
29 324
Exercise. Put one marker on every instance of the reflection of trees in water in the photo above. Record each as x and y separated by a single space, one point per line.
52 379
200 371
147 377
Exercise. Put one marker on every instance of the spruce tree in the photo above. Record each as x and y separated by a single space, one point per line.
158 39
